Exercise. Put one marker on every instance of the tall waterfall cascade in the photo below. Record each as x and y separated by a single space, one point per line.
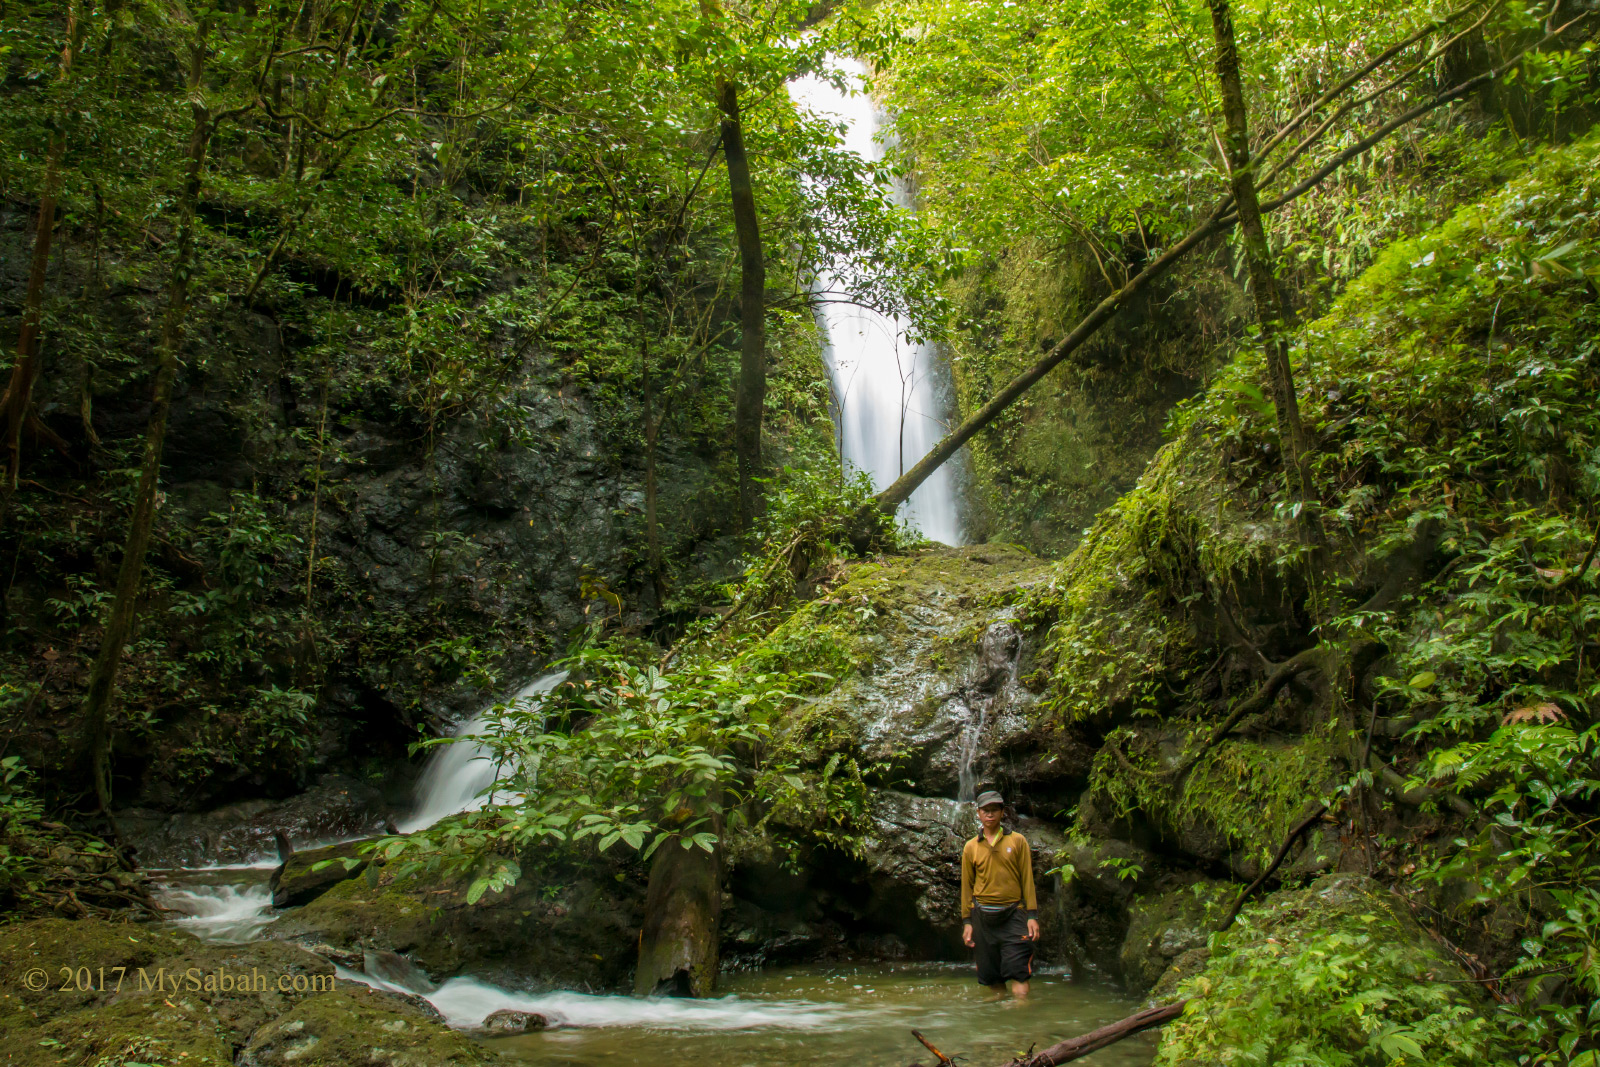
887 392
458 775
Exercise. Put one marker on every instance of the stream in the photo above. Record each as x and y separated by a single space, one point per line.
860 1014
853 1014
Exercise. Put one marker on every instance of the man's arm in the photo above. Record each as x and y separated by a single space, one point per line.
1030 901
966 894
966 883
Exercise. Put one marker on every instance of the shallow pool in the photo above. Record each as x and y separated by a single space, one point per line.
853 1015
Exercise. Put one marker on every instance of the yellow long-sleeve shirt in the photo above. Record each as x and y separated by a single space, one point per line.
1001 873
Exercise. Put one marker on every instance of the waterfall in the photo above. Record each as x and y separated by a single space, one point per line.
889 408
458 775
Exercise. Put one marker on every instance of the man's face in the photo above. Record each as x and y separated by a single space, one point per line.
989 815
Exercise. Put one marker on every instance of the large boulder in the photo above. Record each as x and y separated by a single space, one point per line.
571 926
305 876
931 664
360 1027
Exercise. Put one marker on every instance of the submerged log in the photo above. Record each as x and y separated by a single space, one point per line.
1077 1047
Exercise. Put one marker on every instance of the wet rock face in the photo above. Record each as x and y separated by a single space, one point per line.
915 843
941 728
933 686
336 807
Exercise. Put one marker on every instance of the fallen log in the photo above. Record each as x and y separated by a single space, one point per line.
1077 1047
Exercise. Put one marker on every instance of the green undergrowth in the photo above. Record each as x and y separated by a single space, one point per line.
1121 603
1450 396
1331 976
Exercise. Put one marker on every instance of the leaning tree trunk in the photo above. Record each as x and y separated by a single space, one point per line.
119 623
18 400
752 391
1270 308
683 908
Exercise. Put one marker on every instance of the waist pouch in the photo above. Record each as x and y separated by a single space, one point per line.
995 915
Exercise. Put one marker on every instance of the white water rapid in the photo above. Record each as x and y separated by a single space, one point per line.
228 914
466 1002
889 406
458 775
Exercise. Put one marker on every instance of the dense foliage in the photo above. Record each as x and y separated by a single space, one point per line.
407 282
1063 149
441 226
1450 388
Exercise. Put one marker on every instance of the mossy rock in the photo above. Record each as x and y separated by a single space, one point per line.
360 1027
48 945
304 876
1163 926
910 647
136 1030
1339 969
146 996
578 929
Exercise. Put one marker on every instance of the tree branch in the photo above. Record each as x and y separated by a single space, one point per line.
1277 861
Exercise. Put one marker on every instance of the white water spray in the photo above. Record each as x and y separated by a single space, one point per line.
220 914
890 413
458 775
466 1002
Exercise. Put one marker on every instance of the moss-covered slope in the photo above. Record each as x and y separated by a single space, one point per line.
1443 630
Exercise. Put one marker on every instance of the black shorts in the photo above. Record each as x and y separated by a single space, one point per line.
1003 950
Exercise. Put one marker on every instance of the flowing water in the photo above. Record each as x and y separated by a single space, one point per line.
458 775
853 1015
224 905
888 392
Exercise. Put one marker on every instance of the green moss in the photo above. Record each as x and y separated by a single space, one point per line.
1335 974
1240 799
359 1025
52 944
144 1030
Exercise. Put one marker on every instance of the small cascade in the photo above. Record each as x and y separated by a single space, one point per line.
227 914
458 775
971 734
889 405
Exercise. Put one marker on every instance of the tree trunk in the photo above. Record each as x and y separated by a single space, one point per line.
119 622
683 907
752 390
25 371
1270 308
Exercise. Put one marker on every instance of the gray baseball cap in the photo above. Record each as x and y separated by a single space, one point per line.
987 798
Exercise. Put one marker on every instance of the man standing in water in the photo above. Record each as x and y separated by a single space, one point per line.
997 900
